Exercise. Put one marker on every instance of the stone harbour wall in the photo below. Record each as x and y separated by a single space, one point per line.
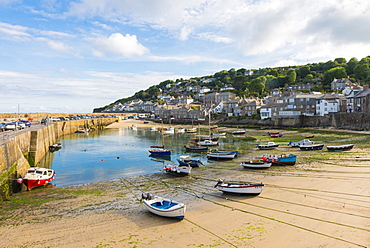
26 149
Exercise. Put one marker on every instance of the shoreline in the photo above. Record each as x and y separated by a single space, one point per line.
312 204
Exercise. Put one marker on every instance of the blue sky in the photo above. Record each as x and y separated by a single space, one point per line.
73 56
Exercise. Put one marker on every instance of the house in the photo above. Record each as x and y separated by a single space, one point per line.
216 98
361 101
340 84
304 103
327 104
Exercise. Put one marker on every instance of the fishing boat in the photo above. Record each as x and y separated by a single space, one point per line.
301 143
257 163
159 151
153 128
196 148
208 143
180 130
186 160
37 176
198 138
82 131
340 148
177 170
219 134
276 135
55 147
168 130
282 159
239 188
222 155
237 132
191 130
268 146
313 147
164 207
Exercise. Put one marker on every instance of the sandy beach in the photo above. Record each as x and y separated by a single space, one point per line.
315 203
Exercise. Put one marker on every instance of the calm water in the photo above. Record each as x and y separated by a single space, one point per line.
114 153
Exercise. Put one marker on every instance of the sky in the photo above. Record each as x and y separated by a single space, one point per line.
73 56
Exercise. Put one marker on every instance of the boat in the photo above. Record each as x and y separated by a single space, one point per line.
239 188
219 134
132 127
276 135
268 146
82 131
159 150
238 132
340 148
208 143
186 160
196 148
282 159
164 207
191 130
37 176
222 155
301 143
153 128
55 147
180 130
169 130
313 147
204 137
177 170
257 163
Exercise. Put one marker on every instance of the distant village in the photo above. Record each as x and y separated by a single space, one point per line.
288 103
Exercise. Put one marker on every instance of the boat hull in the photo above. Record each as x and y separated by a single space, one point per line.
190 162
177 170
282 159
196 148
165 207
252 164
160 152
311 147
247 189
222 155
267 147
340 148
37 176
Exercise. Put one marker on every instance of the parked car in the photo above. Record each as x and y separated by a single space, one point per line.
10 126
19 125
2 127
27 123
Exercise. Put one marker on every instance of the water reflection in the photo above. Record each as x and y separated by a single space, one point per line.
113 153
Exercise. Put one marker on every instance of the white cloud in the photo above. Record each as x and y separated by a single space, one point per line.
126 46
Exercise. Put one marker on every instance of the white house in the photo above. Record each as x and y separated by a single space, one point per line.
327 104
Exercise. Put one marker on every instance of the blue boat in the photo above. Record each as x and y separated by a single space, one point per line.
282 159
159 151
186 160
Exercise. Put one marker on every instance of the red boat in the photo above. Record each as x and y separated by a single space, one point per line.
37 176
275 135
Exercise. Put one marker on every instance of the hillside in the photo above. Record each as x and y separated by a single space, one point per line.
259 82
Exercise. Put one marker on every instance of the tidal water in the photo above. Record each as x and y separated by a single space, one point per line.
114 153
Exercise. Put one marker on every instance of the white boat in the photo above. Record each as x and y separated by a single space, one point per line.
164 207
340 148
168 130
177 170
218 134
180 130
303 142
133 127
153 128
257 163
222 155
208 143
268 146
239 188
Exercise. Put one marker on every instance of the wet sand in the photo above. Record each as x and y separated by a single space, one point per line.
312 204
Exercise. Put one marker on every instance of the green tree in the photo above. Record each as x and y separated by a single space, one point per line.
361 71
291 76
337 72
340 61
